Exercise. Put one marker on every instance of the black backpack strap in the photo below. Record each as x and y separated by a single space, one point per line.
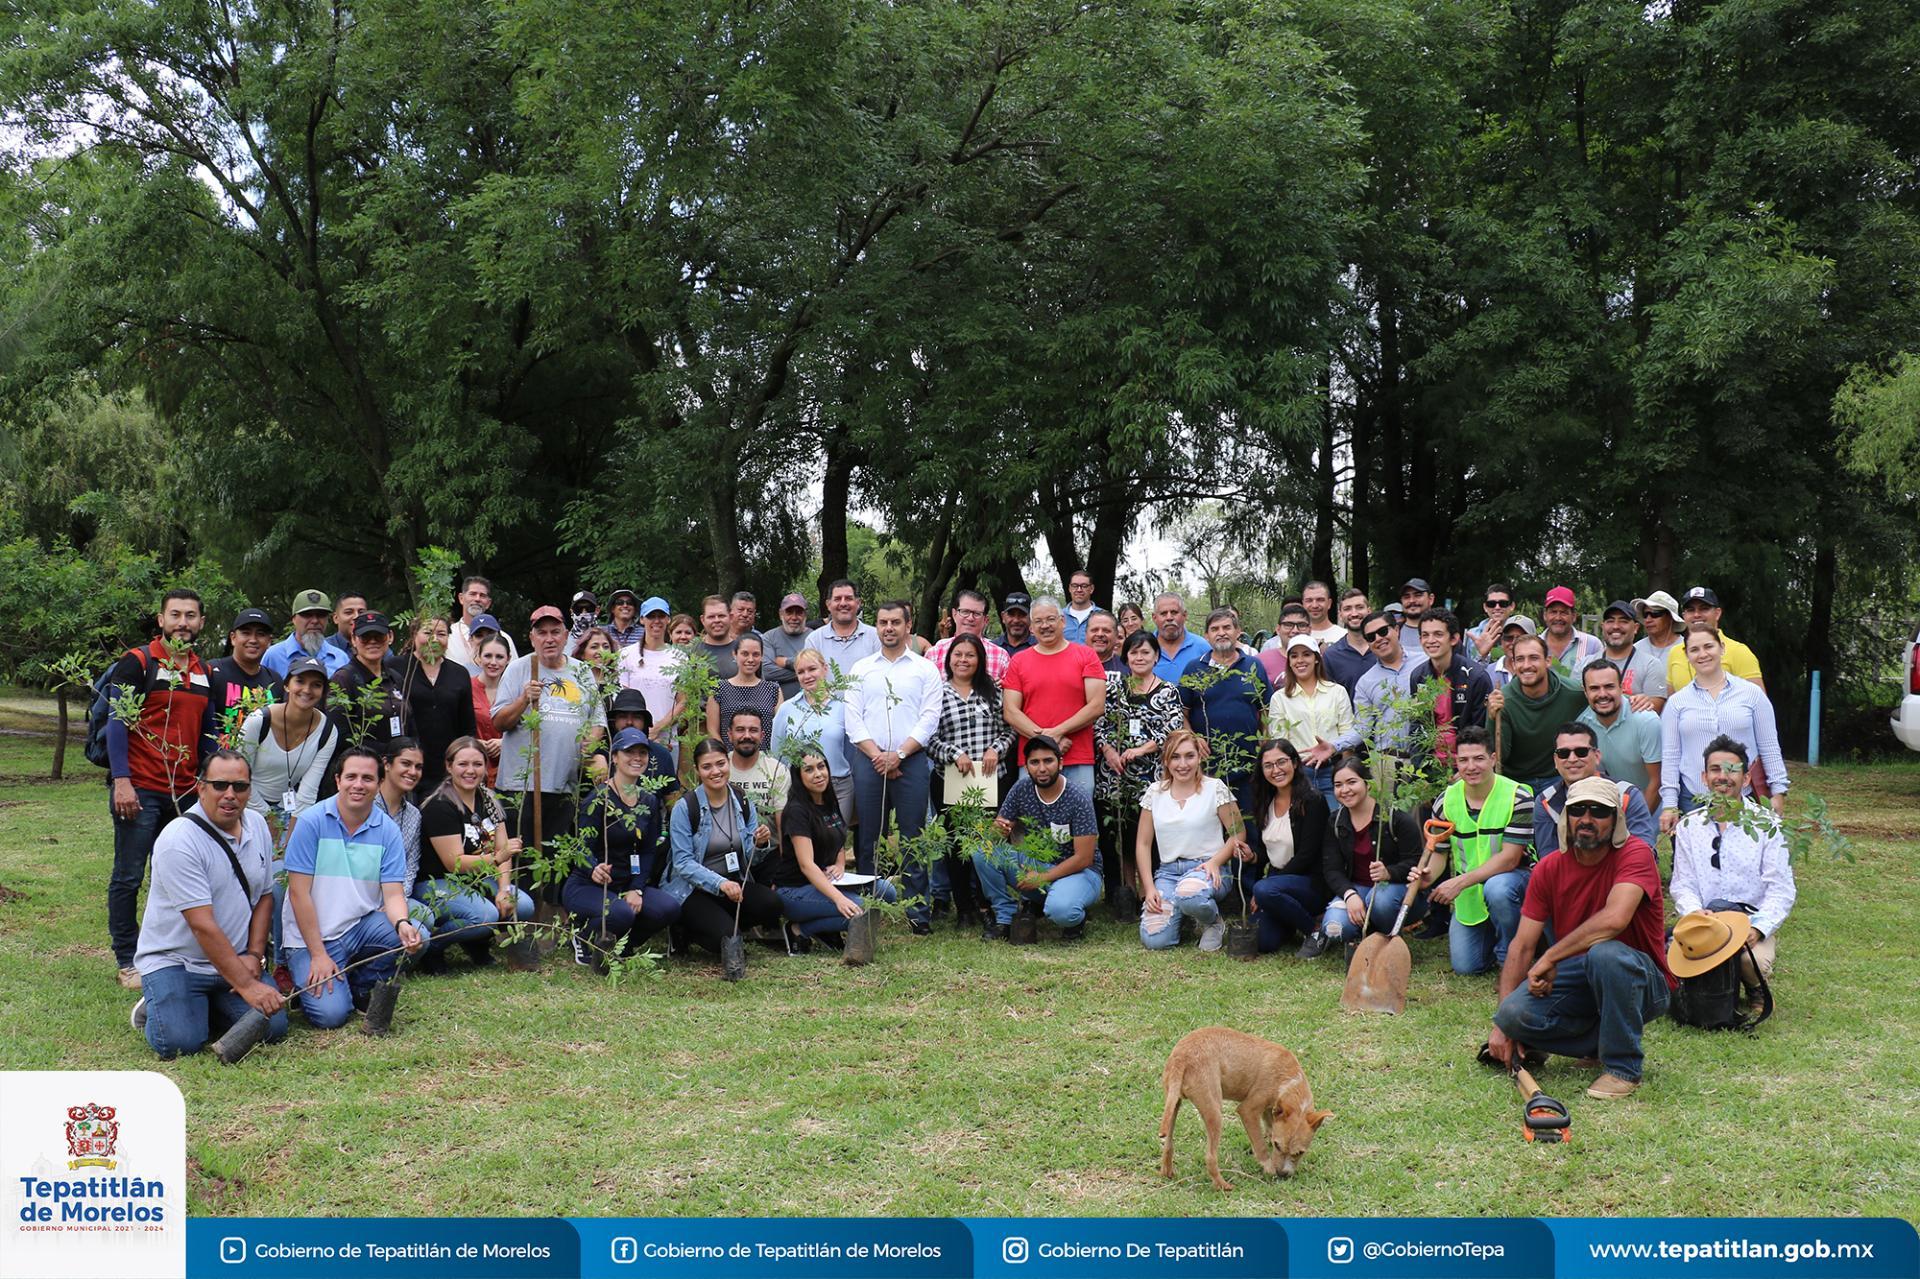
246 886
1750 1024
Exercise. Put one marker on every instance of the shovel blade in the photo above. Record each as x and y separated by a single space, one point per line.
1377 981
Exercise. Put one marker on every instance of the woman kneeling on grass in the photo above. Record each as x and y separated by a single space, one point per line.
716 837
616 902
1288 834
813 857
1190 814
1369 853
463 842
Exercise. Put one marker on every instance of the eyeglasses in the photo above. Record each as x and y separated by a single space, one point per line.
1572 752
1589 810
1714 860
1375 635
970 612
224 786
1492 603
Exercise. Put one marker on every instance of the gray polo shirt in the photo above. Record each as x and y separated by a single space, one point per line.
189 870
778 643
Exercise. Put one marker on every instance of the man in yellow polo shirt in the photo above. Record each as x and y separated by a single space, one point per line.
1701 606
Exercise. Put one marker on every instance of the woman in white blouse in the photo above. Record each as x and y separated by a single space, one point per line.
290 744
1314 713
1197 823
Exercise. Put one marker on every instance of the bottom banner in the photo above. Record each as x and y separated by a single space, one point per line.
1070 1248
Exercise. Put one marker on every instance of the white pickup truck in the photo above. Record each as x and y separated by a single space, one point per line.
1906 716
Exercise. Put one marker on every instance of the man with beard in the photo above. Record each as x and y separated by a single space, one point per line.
311 611
1179 647
1016 623
1629 739
1350 657
1416 597
1643 680
1604 977
152 762
763 778
782 644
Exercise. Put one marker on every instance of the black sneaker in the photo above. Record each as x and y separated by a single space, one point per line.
431 962
921 927
941 906
1076 932
798 943
481 952
993 930
1352 945
582 953
1313 946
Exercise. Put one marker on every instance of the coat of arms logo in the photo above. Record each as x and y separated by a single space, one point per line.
91 1132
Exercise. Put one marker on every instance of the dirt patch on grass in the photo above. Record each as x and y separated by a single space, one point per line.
212 1194
11 895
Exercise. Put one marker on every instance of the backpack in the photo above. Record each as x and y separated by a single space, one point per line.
1711 1000
97 712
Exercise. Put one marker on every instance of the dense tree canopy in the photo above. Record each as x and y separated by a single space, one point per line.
1609 293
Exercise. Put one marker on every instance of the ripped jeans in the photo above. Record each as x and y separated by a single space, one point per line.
1189 894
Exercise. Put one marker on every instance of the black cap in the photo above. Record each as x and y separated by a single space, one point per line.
372 624
1621 606
1019 600
251 617
304 665
585 597
1700 595
1416 584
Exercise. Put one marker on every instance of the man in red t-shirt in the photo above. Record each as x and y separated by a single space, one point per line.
1056 689
1604 976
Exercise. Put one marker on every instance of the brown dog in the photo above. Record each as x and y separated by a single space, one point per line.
1275 1103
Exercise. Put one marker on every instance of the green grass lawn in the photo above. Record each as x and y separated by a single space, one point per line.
954 1078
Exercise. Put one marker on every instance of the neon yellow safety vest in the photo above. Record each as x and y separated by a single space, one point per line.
1475 841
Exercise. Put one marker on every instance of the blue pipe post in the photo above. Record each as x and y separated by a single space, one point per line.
1813 723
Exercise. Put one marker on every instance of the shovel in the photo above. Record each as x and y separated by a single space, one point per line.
1377 979
1545 1118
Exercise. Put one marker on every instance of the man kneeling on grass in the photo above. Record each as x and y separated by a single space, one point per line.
1043 801
346 896
204 937
1603 975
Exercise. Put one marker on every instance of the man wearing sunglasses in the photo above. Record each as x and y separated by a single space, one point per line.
203 940
1373 712
1499 607
1604 977
1576 757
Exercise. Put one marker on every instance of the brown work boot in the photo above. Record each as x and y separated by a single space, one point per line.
130 978
1610 1087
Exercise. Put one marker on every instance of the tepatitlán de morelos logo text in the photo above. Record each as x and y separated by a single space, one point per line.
92 1202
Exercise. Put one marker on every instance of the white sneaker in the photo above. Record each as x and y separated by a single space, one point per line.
139 1014
1214 935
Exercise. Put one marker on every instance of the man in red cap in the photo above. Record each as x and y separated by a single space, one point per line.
1568 648
783 643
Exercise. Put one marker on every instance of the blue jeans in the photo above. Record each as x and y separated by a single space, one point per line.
658 910
1065 900
1322 779
1599 1004
1287 904
1385 900
814 914
466 916
1184 886
905 797
373 932
185 1009
1478 948
132 848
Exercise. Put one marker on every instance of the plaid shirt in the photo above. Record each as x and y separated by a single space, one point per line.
969 725
997 658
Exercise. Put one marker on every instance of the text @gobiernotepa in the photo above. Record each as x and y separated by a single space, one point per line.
79 1199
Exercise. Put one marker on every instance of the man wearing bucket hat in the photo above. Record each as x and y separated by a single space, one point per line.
623 611
310 610
1659 616
1593 990
1730 854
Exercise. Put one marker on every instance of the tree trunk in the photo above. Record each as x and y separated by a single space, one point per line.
835 487
1112 520
1058 532
723 527
942 558
60 737
1323 484
1360 528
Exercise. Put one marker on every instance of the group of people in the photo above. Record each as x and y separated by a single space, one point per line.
703 778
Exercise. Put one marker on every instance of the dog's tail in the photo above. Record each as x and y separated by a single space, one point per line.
1176 1093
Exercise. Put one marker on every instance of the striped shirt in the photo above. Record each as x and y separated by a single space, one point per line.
348 867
